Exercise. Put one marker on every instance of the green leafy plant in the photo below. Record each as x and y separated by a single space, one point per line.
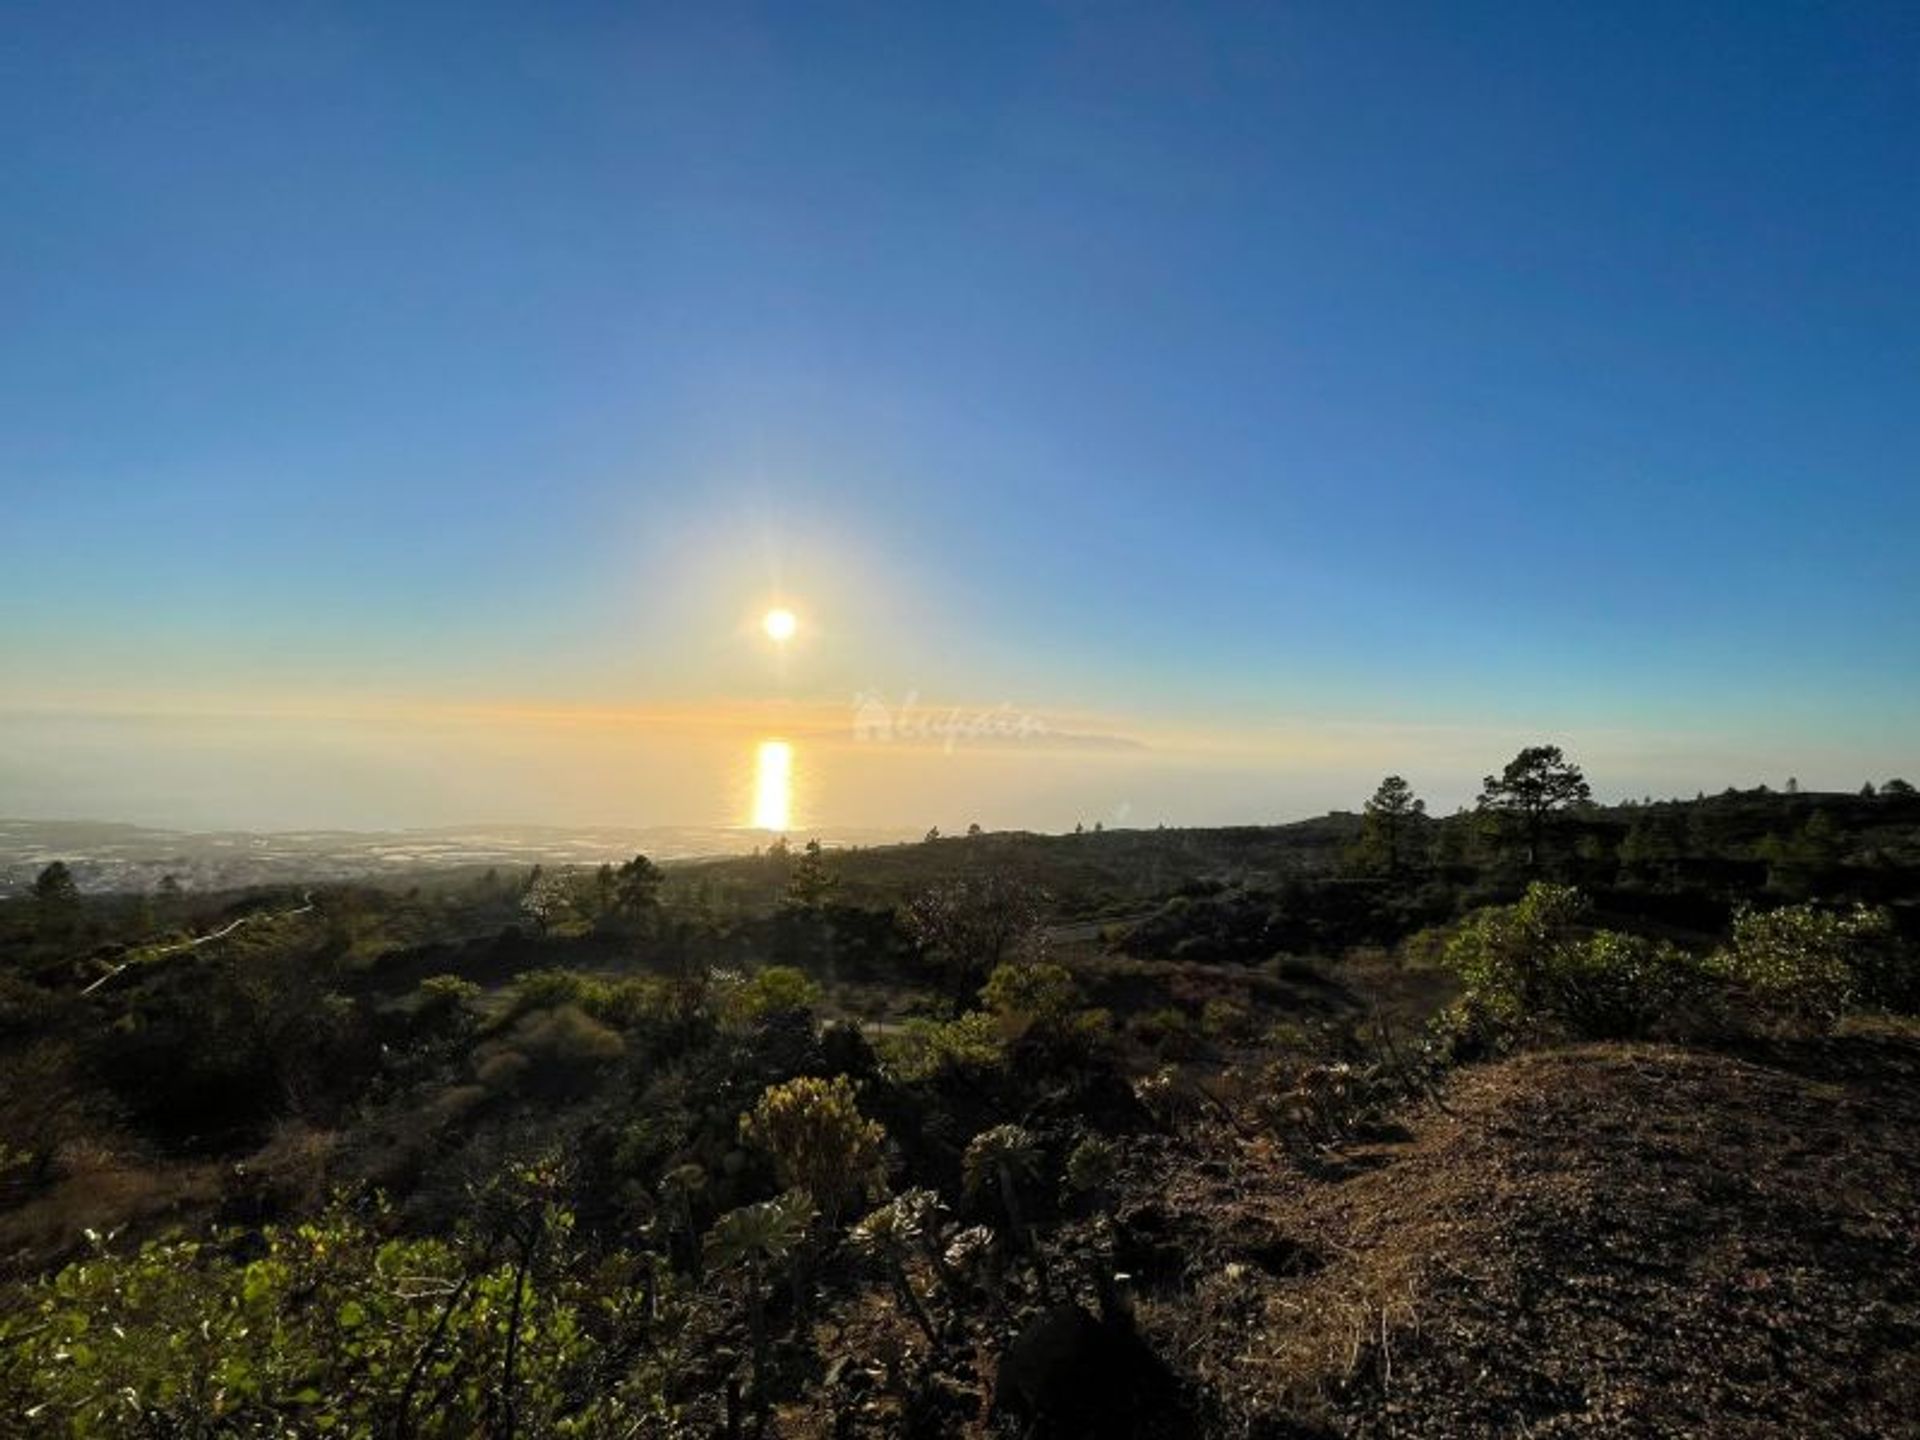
771 991
1532 965
1500 952
1225 1022
326 1327
753 1242
1092 1167
924 1049
819 1140
1811 964
998 1161
1027 995
1169 1031
891 1233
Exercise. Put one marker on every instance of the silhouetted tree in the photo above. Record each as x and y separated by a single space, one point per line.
970 925
811 883
636 888
1452 840
1537 784
56 901
1654 842
1391 814
1795 860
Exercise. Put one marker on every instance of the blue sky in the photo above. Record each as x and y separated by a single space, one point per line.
1253 374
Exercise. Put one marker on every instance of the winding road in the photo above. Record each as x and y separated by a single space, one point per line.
225 930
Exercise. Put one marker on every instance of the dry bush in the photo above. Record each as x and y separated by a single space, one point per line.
548 1052
42 1108
96 1188
455 1103
498 1070
290 1171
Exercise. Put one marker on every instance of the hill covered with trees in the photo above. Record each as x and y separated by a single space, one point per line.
1543 1117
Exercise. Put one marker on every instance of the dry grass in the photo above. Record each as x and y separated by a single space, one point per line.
97 1188
1611 1239
292 1168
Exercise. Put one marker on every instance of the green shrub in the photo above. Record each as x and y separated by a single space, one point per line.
545 989
1613 985
1225 1022
448 991
628 1001
566 1036
660 1120
24 1006
1811 964
1027 995
776 989
819 1140
1169 1032
1291 1035
621 1003
1092 1166
1527 965
1500 952
444 1004
316 1331
924 1049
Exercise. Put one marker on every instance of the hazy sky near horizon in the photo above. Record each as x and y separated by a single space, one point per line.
406 411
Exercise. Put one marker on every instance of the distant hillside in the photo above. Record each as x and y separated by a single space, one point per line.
1086 872
1712 840
106 857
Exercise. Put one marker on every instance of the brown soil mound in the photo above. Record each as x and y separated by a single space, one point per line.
1618 1240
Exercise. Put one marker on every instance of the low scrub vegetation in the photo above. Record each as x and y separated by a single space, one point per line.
1542 964
766 1145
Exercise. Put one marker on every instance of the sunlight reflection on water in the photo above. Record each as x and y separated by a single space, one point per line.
773 786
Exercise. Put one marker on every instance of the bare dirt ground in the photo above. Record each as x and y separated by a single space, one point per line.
1613 1240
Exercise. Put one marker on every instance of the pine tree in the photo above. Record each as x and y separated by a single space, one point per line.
811 884
1391 815
1537 784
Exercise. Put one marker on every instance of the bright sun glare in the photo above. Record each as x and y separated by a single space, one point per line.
773 786
780 625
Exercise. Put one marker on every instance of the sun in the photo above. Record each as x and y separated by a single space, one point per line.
779 625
